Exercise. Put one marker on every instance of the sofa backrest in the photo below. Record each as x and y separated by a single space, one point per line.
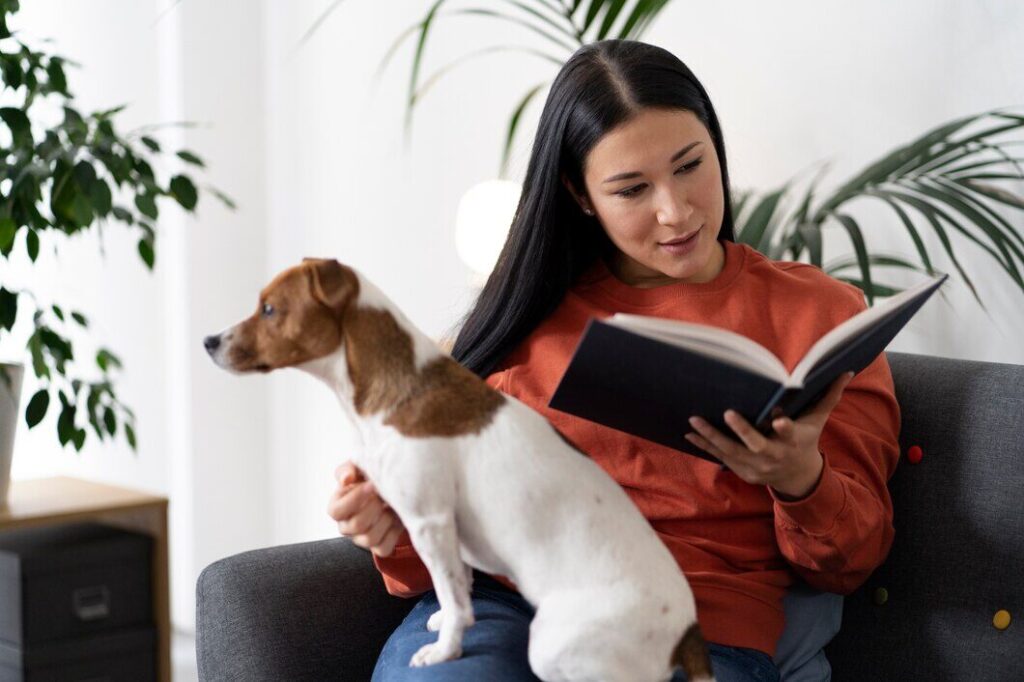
958 555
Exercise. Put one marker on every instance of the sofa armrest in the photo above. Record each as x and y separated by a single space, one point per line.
308 611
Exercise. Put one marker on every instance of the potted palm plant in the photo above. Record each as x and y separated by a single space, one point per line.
63 180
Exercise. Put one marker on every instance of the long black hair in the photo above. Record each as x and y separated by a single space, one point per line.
551 241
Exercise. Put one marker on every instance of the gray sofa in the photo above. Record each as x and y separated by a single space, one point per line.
318 610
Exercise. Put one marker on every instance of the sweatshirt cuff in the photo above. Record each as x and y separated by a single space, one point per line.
816 513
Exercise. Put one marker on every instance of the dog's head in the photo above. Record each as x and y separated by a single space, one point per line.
299 318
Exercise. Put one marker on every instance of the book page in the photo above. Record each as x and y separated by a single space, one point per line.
720 344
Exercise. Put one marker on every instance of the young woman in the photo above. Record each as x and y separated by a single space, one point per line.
625 207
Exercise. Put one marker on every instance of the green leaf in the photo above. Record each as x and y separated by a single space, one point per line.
932 215
58 312
79 439
129 432
37 407
99 195
146 252
146 203
811 235
8 229
55 72
18 123
225 199
75 126
122 214
758 229
643 13
860 248
110 421
909 224
514 123
8 309
66 424
80 319
151 143
189 157
105 359
614 7
10 64
32 244
184 192
39 365
81 210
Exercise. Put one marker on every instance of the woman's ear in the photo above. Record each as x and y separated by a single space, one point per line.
582 201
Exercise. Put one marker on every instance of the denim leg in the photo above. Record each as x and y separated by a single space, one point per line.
737 664
493 649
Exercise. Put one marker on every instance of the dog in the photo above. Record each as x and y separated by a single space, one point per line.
480 480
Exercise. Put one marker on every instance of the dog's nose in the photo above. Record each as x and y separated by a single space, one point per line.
211 343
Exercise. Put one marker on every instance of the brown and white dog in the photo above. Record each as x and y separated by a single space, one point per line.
480 480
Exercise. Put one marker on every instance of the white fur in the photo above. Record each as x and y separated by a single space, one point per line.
516 500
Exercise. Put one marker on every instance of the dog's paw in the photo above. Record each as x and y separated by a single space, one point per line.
434 622
434 653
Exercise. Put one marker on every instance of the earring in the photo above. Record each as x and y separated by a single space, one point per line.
588 211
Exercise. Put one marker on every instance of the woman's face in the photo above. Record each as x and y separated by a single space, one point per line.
673 190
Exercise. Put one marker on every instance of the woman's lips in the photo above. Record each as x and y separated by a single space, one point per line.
685 246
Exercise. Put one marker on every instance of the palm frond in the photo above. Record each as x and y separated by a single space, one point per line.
513 125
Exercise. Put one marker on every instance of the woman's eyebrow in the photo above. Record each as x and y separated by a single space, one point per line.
635 174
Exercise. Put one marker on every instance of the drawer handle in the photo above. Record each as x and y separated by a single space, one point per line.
91 603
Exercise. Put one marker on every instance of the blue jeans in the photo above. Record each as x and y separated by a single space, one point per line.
494 649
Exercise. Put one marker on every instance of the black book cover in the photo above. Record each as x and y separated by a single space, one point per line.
650 388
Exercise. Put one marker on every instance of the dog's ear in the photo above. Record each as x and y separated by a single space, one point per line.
331 282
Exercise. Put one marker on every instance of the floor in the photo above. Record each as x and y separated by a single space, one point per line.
183 657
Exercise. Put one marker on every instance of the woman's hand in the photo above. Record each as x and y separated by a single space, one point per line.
789 461
361 513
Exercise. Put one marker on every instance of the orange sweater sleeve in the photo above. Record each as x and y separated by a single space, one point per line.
403 571
838 534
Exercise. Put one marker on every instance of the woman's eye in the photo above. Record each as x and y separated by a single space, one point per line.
631 191
268 310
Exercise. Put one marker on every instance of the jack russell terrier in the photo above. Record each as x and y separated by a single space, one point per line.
480 480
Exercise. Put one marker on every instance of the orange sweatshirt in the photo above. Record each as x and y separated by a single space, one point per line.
739 545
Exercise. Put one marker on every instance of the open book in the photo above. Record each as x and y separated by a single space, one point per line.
647 376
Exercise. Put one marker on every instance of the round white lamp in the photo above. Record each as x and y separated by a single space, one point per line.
482 221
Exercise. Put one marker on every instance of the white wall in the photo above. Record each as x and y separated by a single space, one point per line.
311 148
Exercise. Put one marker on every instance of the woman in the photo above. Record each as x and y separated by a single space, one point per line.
625 208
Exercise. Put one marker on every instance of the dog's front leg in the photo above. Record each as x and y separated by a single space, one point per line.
436 541
434 622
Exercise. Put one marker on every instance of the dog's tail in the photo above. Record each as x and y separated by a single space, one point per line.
691 654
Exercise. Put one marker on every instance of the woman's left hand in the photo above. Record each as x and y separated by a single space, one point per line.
789 460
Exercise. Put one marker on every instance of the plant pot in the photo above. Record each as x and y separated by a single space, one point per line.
10 399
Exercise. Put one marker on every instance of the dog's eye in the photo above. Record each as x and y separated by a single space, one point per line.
268 310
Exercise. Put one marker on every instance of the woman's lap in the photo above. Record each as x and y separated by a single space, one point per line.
495 647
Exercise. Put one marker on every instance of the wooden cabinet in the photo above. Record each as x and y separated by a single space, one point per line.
61 499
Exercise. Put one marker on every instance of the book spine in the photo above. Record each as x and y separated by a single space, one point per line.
763 423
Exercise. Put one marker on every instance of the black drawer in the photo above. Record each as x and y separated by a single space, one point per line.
119 656
71 581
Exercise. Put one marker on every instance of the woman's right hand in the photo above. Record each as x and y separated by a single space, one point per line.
361 513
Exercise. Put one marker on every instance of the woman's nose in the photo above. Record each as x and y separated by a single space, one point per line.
672 207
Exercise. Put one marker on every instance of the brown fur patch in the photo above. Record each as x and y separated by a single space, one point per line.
442 399
692 654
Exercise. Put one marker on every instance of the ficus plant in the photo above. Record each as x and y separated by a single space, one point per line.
67 179
946 180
